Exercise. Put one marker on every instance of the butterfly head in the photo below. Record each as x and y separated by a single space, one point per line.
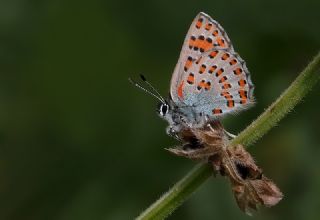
163 109
166 109
169 112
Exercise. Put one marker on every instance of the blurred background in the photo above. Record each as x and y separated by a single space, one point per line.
77 141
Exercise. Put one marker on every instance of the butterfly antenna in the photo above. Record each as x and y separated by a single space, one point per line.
157 96
151 87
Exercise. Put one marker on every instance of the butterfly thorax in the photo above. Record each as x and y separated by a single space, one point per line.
180 118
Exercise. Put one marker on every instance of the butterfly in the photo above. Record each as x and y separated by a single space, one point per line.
210 80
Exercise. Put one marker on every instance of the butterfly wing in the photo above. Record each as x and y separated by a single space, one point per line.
204 35
217 83
210 76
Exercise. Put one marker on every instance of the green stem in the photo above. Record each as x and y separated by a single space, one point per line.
268 119
178 193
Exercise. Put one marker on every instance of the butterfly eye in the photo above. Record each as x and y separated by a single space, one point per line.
163 109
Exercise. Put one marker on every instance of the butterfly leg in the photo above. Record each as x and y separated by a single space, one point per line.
210 127
196 154
184 121
229 135
172 133
189 151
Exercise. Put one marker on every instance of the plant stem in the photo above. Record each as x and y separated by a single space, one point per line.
178 193
268 119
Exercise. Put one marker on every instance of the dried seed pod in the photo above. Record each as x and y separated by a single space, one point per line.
201 143
250 187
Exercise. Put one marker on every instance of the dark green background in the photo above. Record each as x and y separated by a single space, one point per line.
77 141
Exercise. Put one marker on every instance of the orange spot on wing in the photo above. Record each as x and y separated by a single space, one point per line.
202 69
227 95
188 64
180 89
230 103
207 86
223 79
203 44
237 71
216 111
206 45
212 69
232 62
197 43
225 56
226 86
190 78
243 101
208 26
191 41
242 83
219 72
199 23
244 96
202 84
220 42
213 54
